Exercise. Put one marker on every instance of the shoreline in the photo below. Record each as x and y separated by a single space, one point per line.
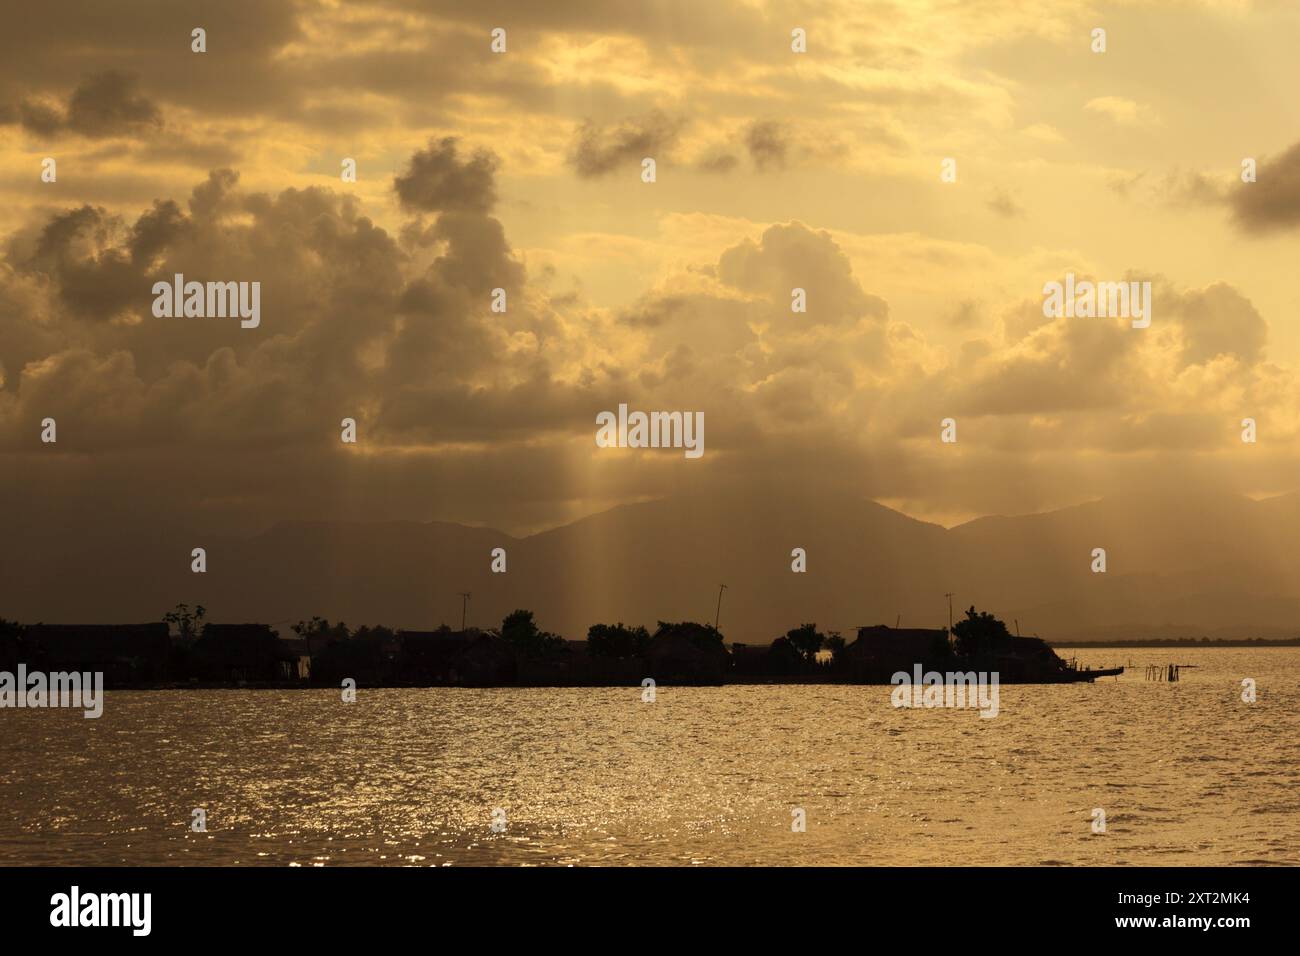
1179 642
793 680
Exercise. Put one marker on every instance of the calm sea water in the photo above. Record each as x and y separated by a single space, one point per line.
1186 774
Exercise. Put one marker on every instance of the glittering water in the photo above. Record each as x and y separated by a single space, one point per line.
1186 773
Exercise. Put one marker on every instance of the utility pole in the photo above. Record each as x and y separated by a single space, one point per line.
718 616
464 606
948 595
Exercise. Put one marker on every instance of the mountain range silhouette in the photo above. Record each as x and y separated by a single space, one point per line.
1179 564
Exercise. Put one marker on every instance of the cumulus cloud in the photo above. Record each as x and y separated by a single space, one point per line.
459 401
353 324
437 180
794 256
1076 385
1217 321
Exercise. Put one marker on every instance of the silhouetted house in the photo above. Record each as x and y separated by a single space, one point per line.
580 666
367 656
444 656
125 653
881 651
687 653
13 647
1024 659
749 659
561 664
783 658
294 657
390 648
318 643
238 652
778 659
489 661
430 657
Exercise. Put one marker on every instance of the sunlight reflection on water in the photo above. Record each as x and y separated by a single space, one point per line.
1187 774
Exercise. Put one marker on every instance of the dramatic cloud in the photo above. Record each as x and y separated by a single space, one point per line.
517 171
794 256
436 180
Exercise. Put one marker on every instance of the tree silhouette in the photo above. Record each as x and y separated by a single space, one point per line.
807 640
188 624
522 631
617 640
319 627
704 637
783 657
980 633
339 654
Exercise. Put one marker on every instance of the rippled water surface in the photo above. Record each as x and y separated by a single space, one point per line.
1187 773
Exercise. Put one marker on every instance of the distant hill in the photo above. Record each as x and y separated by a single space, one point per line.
1178 565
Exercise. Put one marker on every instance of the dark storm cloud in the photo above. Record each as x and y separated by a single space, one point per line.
1273 202
327 276
209 197
238 74
600 149
104 104
95 276
40 118
356 325
157 230
437 180
109 103
350 322
464 413
245 73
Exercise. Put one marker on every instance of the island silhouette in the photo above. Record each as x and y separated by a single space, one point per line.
184 650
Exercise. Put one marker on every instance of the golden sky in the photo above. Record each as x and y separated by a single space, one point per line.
522 170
